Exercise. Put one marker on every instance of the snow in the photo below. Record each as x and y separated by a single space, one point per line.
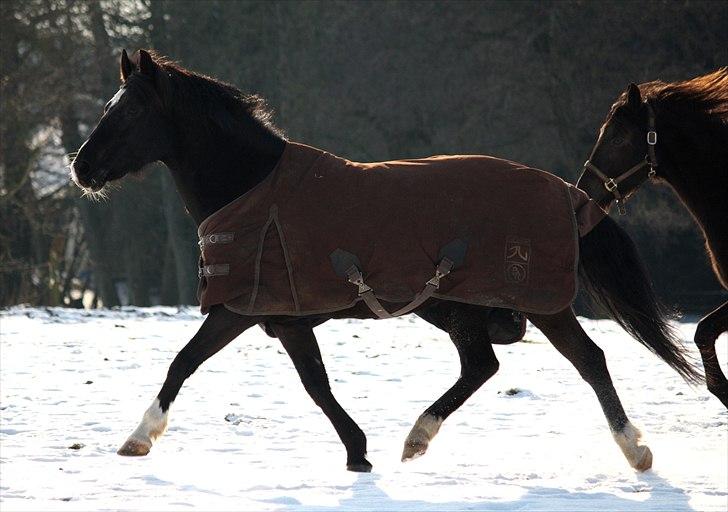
245 436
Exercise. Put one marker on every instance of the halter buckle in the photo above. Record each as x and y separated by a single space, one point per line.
652 137
652 172
610 185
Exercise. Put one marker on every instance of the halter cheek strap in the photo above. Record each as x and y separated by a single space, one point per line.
612 184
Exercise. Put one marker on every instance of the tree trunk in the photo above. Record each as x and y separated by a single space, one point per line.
96 217
182 236
168 287
180 228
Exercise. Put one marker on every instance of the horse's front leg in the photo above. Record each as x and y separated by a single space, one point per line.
300 343
468 329
219 328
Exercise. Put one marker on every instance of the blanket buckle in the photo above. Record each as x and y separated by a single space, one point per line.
443 269
354 276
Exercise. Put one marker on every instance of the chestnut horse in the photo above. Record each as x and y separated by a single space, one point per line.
674 133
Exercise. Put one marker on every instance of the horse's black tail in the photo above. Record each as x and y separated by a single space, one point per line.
613 275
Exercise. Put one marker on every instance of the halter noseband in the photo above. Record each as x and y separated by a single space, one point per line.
612 184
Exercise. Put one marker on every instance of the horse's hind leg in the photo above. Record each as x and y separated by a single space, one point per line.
565 333
300 343
709 328
468 331
219 328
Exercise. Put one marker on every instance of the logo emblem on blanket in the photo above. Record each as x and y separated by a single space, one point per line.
517 260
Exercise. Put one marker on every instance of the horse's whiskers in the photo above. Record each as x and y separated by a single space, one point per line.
97 195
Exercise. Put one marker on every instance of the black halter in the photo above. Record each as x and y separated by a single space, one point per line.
650 161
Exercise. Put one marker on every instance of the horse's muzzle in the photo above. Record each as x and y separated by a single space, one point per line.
83 176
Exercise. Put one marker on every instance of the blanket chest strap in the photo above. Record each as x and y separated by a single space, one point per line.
220 269
353 275
216 238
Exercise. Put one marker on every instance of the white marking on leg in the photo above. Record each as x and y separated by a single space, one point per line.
428 424
420 436
152 426
638 455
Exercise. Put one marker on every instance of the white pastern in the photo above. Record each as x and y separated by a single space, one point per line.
152 426
638 455
420 436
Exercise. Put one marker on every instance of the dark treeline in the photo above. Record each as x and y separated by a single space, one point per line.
528 81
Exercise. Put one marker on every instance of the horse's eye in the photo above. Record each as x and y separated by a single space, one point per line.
134 111
617 140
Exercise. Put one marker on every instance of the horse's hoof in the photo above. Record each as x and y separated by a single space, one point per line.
360 467
414 449
134 448
638 455
645 460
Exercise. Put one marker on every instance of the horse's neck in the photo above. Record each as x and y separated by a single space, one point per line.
695 164
211 171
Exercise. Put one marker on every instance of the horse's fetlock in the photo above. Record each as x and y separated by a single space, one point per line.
491 368
360 442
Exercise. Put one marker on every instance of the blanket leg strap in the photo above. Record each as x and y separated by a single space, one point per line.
354 276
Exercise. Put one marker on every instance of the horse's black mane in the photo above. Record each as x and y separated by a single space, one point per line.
195 92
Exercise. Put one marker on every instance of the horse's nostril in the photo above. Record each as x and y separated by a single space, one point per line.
82 168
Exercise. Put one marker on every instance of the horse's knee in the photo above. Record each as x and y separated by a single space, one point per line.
481 370
321 396
318 389
183 365
593 367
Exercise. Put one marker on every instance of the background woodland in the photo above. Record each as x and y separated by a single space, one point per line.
528 81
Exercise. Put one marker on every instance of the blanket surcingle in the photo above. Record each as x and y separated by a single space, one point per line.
321 233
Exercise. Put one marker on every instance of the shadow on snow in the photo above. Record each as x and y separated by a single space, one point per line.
366 495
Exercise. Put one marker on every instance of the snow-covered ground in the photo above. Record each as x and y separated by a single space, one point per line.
83 377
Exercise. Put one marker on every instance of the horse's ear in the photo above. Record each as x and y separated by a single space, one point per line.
634 99
143 61
125 66
146 64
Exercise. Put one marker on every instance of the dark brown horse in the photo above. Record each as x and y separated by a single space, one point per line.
219 143
676 133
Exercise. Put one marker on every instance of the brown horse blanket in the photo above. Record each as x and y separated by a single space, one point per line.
321 233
